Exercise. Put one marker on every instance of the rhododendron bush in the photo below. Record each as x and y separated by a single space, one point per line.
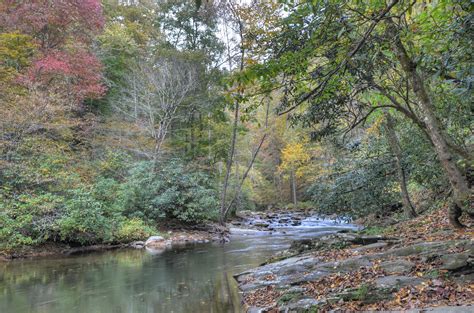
63 31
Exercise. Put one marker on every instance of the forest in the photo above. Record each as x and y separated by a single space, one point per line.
120 117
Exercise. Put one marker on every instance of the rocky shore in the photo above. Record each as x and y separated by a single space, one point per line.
353 271
167 238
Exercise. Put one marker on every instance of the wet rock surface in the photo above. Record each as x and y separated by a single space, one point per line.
270 221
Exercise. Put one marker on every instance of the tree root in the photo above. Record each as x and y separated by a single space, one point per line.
454 213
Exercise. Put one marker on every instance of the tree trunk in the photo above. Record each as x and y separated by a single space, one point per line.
193 137
293 188
223 208
229 165
394 144
458 182
233 210
249 167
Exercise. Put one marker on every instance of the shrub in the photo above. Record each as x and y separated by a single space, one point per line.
171 191
86 219
106 210
29 219
133 229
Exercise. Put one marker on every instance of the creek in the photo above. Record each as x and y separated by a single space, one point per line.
193 278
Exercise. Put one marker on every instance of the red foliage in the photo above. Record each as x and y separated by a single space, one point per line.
81 69
53 21
64 30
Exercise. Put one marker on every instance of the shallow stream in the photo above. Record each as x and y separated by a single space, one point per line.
191 279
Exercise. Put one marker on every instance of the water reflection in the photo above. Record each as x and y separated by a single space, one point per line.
121 281
185 279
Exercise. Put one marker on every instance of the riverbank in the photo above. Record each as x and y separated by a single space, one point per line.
167 237
422 263
171 233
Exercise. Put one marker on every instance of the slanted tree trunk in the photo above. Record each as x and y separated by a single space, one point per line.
457 180
249 167
230 157
394 144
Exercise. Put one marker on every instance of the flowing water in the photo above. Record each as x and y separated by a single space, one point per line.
195 278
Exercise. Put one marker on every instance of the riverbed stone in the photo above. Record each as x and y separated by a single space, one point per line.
261 224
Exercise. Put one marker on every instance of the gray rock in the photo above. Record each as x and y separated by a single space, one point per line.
302 305
372 246
454 261
137 244
257 285
396 282
155 241
352 264
312 276
433 249
418 248
445 309
367 294
296 289
464 278
291 269
397 266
